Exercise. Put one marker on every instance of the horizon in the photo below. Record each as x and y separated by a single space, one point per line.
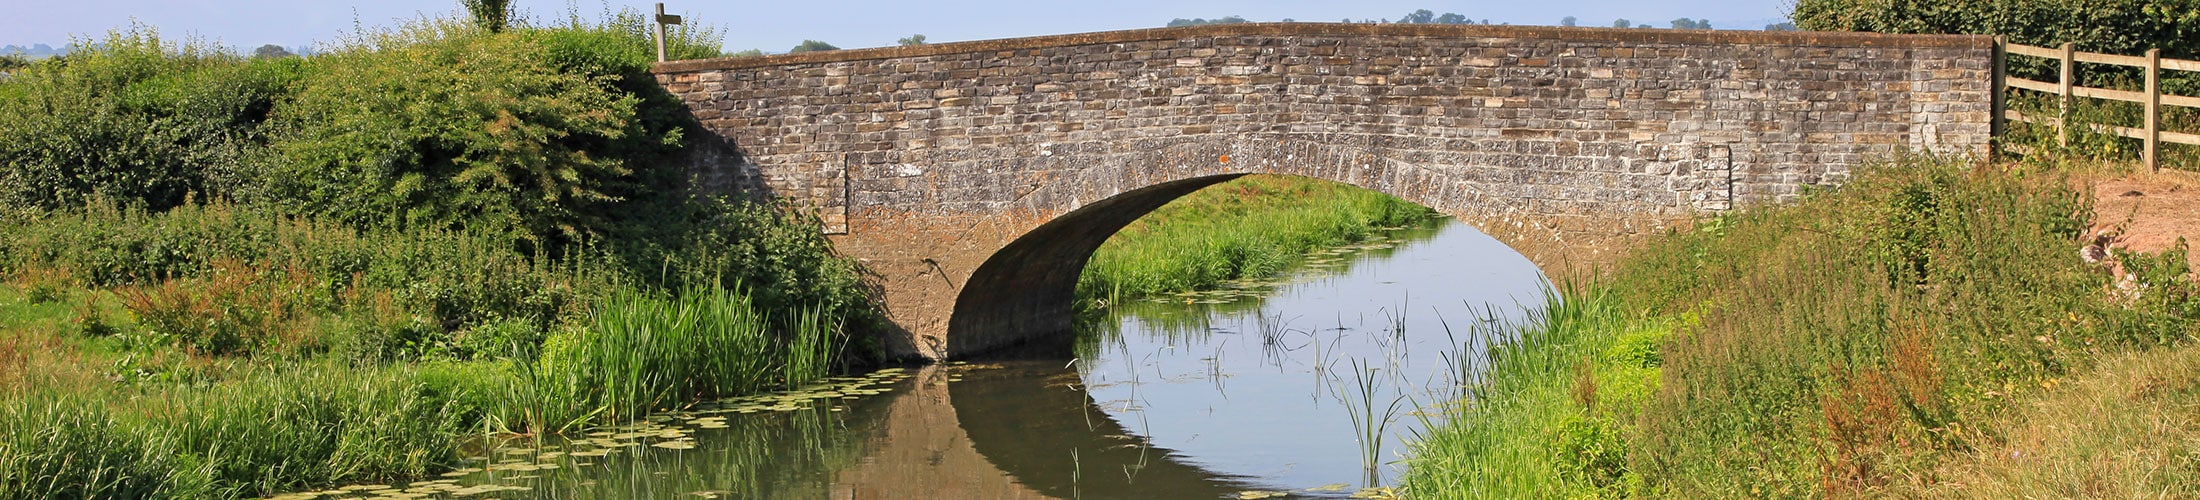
306 28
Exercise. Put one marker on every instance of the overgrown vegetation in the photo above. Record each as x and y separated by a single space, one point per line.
422 234
1249 227
1869 340
2123 28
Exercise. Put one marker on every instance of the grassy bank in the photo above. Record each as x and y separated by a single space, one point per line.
223 277
1252 226
1904 334
212 351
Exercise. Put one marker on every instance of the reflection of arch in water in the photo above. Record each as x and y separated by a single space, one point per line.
1034 421
1023 292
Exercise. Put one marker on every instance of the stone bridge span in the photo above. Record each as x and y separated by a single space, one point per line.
975 178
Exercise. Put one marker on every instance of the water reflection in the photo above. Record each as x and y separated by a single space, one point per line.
1290 385
1215 395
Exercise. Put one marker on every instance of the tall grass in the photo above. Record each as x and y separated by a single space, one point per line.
646 352
279 432
1253 226
1843 345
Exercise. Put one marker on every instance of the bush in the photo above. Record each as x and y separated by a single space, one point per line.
475 131
135 119
2127 27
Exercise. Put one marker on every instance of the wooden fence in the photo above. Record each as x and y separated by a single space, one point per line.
2066 89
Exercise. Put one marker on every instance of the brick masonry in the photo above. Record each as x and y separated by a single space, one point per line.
975 177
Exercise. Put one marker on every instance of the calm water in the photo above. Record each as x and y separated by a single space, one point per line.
1242 393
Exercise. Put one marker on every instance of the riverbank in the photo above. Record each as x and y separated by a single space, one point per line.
214 351
224 276
1930 328
1250 227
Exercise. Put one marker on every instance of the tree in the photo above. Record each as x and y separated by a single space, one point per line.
1181 22
1450 18
1780 27
1684 24
1422 16
1567 21
811 46
492 15
1621 23
271 51
916 39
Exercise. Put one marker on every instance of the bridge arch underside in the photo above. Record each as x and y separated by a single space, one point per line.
1019 293
1024 294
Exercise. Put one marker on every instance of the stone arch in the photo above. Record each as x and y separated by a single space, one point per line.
1024 289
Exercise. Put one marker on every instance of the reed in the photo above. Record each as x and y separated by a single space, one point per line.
1370 425
647 353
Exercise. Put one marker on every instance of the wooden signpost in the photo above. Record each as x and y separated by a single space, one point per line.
663 20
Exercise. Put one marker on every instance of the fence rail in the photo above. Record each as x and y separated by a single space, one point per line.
2065 89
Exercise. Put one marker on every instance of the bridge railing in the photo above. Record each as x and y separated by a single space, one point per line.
2066 91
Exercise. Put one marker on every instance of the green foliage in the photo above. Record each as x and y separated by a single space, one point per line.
133 118
420 232
221 442
2128 27
1834 347
449 280
645 353
2160 282
775 250
634 37
271 51
1425 16
476 131
811 46
70 448
1253 226
916 39
490 15
1180 22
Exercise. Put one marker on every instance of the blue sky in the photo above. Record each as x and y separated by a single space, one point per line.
776 26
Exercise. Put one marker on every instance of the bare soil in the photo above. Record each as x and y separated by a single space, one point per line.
2153 209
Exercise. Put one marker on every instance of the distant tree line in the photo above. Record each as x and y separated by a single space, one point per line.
1181 22
1425 16
33 52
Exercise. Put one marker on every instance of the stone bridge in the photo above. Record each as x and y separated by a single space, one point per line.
975 178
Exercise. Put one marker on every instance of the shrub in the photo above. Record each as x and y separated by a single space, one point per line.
475 131
2128 27
133 118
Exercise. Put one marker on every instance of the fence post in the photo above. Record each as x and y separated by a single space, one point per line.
2069 70
2154 110
2000 100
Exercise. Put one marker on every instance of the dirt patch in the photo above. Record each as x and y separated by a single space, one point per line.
2153 209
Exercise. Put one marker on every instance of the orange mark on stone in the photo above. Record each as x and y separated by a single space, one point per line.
1225 158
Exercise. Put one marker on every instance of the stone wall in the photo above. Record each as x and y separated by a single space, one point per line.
931 162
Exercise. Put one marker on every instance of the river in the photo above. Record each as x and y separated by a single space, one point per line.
1266 389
